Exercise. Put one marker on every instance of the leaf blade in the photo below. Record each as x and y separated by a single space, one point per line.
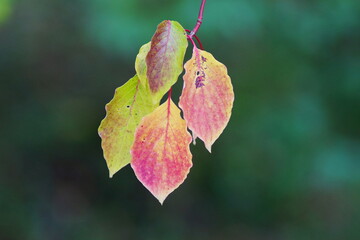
123 113
165 58
207 97
161 157
140 63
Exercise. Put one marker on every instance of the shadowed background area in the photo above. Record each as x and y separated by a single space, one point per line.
286 167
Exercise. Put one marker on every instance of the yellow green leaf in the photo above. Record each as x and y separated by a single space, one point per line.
161 156
140 63
131 102
207 97
165 58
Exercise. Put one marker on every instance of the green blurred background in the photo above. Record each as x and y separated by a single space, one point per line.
286 167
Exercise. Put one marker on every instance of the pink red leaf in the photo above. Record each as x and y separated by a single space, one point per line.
207 97
161 156
165 58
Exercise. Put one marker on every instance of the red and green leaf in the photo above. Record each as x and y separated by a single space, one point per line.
131 102
161 156
165 58
207 97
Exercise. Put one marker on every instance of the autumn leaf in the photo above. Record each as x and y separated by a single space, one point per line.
207 97
140 63
165 58
131 102
161 156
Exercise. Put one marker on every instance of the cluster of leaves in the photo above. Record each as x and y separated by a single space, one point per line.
153 138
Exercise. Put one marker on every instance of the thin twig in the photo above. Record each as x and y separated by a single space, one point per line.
199 20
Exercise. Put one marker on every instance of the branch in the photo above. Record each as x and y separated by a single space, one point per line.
199 20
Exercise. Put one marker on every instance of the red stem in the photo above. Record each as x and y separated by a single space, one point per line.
199 20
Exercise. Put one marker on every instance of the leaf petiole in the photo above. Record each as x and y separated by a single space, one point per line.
197 39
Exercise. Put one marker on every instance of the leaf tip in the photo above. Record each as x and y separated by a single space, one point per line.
161 199
194 136
208 146
111 174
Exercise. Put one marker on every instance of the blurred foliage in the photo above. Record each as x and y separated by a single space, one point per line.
5 10
286 167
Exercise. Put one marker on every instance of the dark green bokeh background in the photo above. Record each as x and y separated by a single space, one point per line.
286 167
